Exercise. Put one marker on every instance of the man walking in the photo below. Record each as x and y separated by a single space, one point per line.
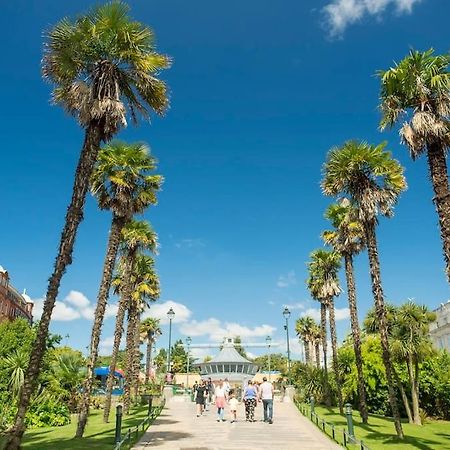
266 395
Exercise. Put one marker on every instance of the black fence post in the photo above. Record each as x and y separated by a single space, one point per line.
118 434
150 404
348 414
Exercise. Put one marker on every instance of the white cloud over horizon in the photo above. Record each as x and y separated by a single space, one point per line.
75 305
339 14
215 330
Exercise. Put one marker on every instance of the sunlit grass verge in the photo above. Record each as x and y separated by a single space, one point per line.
98 435
379 433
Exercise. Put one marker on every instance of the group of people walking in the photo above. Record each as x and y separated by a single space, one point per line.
207 392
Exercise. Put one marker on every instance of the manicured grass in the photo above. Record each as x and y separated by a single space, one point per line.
379 434
98 435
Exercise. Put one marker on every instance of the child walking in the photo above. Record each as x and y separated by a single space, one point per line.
221 398
233 402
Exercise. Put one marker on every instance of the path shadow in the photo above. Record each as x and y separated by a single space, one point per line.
158 438
164 422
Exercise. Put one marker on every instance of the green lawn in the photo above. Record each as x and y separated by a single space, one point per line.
98 435
379 434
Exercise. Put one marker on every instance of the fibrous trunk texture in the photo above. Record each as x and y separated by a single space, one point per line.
323 329
307 352
130 355
124 302
74 216
102 300
375 275
439 178
334 353
356 334
148 359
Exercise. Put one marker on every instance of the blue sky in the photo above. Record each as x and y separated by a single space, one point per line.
260 90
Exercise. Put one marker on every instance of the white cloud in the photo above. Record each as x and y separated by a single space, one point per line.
271 303
159 311
77 299
61 312
74 306
339 14
340 313
287 280
215 330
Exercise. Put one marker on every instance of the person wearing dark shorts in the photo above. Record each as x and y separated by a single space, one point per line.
200 398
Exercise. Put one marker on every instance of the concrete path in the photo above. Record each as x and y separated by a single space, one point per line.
177 428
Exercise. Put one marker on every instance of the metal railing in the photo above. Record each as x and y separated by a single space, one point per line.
339 435
132 434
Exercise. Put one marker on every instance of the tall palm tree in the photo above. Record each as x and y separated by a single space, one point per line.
324 267
136 236
102 65
347 238
304 327
314 289
411 341
122 183
419 87
145 289
373 180
150 330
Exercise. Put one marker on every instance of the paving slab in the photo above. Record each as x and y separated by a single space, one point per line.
178 428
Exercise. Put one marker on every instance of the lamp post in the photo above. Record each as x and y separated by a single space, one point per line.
268 342
188 343
286 315
170 315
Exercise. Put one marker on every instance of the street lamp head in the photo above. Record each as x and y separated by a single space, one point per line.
171 314
286 313
188 341
268 340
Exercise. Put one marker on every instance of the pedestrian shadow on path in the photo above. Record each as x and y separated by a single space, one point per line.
158 438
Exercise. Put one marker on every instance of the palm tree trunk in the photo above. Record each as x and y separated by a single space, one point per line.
414 391
115 352
375 275
137 357
403 395
148 358
356 333
323 326
125 301
438 173
130 351
317 353
334 351
102 299
74 216
307 352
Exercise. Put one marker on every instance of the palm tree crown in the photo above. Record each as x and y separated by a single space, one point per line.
139 234
102 63
323 269
368 174
420 84
150 327
347 237
121 181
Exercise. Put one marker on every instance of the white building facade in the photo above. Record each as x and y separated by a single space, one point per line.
440 328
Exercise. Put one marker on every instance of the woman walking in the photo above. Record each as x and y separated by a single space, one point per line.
250 396
200 398
221 398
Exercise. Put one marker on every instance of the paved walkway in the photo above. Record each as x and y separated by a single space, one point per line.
177 428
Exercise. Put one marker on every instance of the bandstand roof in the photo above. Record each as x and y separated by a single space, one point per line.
228 355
